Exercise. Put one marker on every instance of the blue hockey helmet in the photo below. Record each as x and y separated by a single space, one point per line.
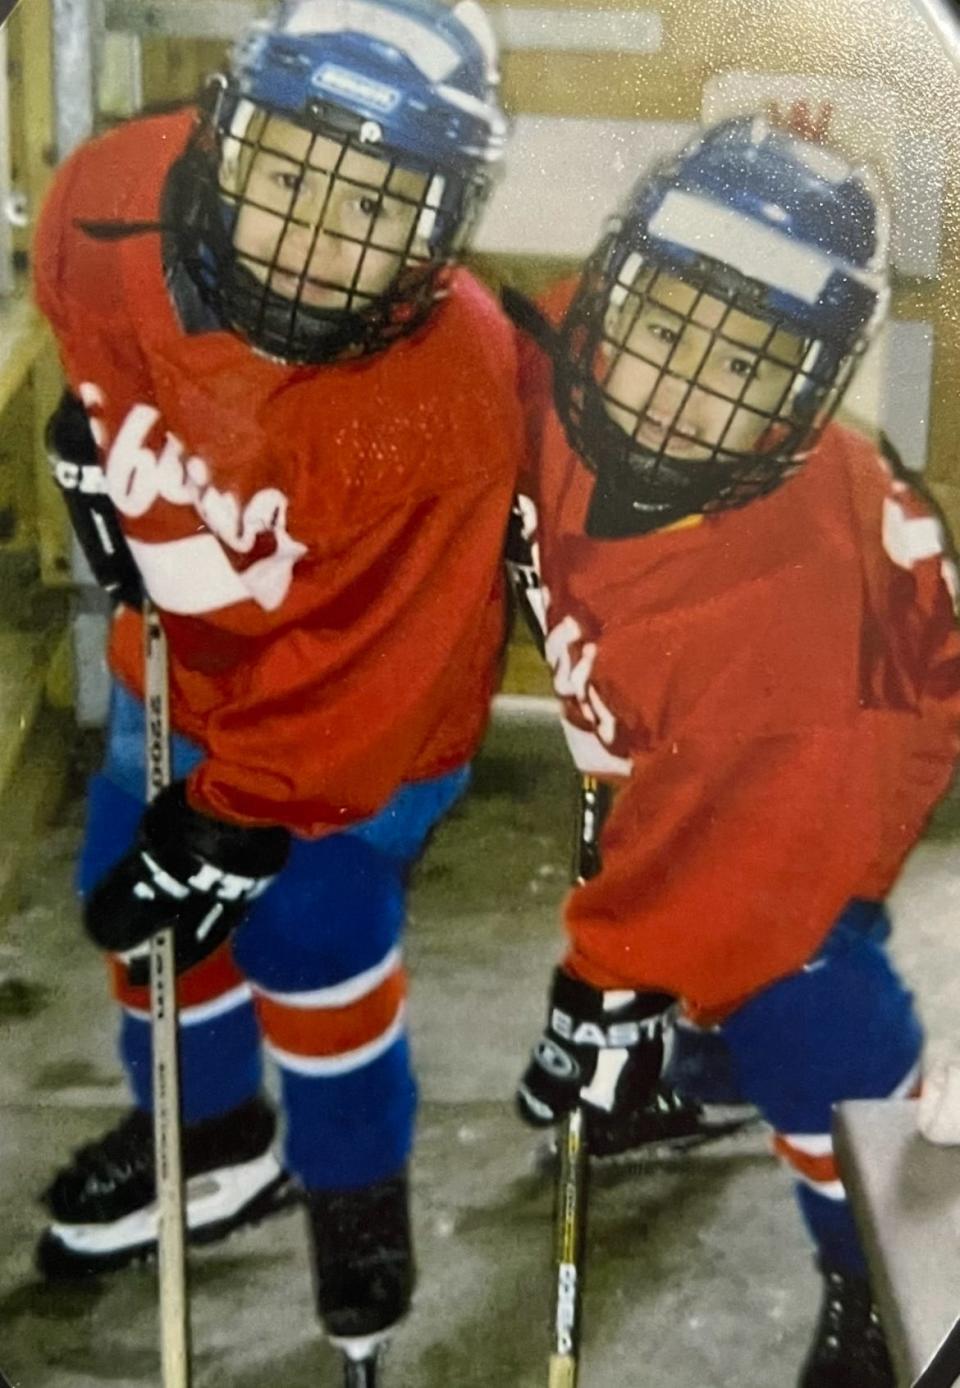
396 108
718 323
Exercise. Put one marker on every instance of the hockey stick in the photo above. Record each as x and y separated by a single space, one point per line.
361 1373
569 1234
172 1270
570 1216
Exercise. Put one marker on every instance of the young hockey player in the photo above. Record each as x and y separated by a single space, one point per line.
299 430
750 626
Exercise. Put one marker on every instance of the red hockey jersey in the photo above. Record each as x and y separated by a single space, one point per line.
776 692
323 543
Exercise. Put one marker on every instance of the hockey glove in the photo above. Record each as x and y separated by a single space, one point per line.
72 455
601 1049
188 871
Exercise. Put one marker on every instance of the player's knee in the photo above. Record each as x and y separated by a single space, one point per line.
335 911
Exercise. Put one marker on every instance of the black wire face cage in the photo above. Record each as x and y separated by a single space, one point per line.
311 242
683 391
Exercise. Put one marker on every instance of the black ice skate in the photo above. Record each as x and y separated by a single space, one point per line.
670 1120
102 1204
363 1268
849 1349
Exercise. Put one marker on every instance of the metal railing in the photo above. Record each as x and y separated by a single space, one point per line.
6 190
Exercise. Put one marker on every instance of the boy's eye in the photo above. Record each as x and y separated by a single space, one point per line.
371 205
286 179
744 366
662 332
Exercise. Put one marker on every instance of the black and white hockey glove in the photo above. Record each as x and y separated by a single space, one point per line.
72 455
601 1048
523 571
188 871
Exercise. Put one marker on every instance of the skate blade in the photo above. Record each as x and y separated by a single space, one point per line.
546 1155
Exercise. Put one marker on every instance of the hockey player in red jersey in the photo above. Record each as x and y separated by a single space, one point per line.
750 626
293 419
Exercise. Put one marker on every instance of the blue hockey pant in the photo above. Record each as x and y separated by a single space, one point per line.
315 974
843 1027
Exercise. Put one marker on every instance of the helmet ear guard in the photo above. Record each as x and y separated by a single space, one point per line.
772 260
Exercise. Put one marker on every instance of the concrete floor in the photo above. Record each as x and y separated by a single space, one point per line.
699 1273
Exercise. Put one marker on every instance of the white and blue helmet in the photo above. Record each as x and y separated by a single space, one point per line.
411 84
757 223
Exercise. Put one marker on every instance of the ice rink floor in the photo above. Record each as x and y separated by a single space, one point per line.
699 1275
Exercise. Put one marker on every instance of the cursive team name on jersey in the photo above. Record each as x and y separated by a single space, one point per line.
193 574
908 540
571 661
592 732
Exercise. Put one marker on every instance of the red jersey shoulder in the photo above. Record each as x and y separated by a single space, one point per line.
556 299
471 332
888 513
120 174
446 396
535 383
476 303
115 177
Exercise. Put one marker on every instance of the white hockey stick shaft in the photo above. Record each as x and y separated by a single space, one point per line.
569 1230
570 1219
172 1266
361 1373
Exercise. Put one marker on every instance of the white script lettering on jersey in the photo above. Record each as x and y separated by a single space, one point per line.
194 574
908 540
571 660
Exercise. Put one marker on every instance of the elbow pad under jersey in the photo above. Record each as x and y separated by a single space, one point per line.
72 455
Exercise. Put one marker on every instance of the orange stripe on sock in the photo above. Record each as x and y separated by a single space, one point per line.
209 979
822 1169
328 1031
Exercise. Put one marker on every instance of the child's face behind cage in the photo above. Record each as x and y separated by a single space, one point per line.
318 222
688 377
